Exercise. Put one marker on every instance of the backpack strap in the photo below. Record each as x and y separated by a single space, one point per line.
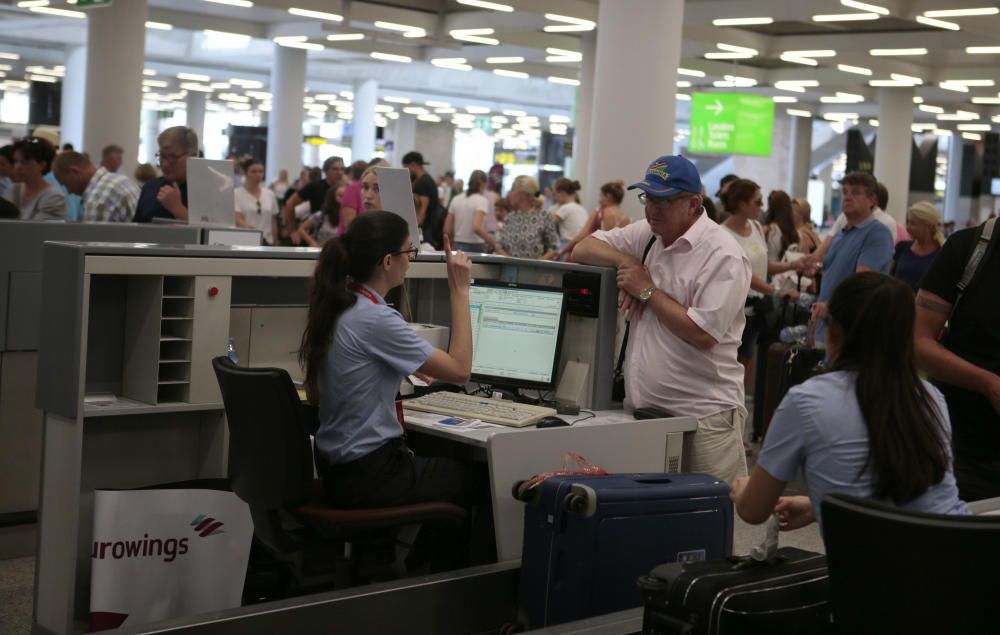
983 247
628 324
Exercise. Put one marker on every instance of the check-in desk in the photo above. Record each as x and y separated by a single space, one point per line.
130 399
23 325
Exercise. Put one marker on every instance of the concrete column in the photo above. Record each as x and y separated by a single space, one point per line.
894 147
632 130
826 176
582 120
311 153
74 96
802 134
196 114
404 137
150 130
116 48
953 182
363 139
284 125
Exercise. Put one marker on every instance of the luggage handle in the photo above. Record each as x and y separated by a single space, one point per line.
659 618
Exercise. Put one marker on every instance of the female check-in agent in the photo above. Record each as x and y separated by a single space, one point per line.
356 350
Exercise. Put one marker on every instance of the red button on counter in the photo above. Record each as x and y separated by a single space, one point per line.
214 291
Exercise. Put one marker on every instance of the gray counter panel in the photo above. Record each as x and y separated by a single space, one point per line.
58 388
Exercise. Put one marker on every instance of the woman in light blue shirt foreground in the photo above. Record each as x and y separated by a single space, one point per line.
356 350
871 427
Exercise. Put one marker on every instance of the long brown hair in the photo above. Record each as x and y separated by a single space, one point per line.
906 441
351 257
779 213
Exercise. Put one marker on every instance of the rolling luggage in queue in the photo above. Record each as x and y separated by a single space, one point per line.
588 538
787 594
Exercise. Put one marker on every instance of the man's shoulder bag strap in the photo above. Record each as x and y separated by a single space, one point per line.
983 247
628 324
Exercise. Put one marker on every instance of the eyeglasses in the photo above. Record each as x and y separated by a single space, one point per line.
645 199
258 207
167 157
411 252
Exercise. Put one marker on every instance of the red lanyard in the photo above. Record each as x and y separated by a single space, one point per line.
363 291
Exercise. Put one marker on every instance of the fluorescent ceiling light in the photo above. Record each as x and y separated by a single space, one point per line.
886 52
917 99
982 83
857 70
840 116
9 56
974 127
558 119
994 101
961 115
62 13
683 97
742 21
562 55
937 110
345 37
453 63
415 110
474 35
505 60
506 73
941 24
319 15
798 113
159 26
405 29
807 61
816 53
842 98
958 88
27 4
736 49
569 24
437 104
958 13
429 117
864 6
972 136
796 86
477 110
783 99
396 100
844 17
298 42
46 79
683 84
198 88
155 83
515 113
906 78
245 4
922 127
982 50
492 6
726 55
690 72
889 83
225 39
247 83
194 77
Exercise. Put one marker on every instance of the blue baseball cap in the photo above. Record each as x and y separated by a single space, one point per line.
669 175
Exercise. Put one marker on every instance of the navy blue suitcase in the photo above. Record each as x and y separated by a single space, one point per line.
588 538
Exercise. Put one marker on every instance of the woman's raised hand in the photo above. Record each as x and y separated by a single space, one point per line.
459 267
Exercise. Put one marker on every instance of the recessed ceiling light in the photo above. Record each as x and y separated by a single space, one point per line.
396 100
986 100
570 24
505 60
345 37
906 78
807 61
736 49
452 63
864 6
62 13
798 113
982 50
887 52
972 136
958 13
937 110
482 4
297 42
194 77
784 99
9 56
477 110
845 17
159 26
857 70
690 72
475 36
319 15
941 24
890 83
683 84
974 127
683 97
405 29
569 81
506 73
727 55
742 21
245 4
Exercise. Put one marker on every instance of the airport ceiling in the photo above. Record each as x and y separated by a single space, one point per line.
824 57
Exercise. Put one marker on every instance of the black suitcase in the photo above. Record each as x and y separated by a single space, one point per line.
787 365
788 594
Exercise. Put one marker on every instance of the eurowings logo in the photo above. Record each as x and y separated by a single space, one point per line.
206 526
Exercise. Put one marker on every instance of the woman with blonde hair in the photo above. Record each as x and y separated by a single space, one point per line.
801 216
528 232
914 257
606 217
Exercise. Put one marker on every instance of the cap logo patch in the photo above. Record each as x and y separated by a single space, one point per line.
660 170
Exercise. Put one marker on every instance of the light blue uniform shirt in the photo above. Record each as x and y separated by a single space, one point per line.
373 348
819 426
867 244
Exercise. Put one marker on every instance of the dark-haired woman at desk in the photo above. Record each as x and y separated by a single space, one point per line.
871 427
356 350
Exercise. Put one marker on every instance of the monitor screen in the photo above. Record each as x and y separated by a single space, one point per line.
995 187
516 333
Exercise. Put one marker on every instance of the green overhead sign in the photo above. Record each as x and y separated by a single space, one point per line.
731 123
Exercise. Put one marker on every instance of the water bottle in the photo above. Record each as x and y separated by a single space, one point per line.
806 300
231 353
793 334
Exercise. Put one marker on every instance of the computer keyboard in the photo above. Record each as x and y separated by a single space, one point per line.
502 411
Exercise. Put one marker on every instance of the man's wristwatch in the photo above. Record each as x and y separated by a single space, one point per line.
646 294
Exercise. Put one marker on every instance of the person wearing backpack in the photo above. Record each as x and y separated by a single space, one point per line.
957 341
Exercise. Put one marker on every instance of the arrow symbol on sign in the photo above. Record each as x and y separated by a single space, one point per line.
716 108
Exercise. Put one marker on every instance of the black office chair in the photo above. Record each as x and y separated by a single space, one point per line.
271 469
894 571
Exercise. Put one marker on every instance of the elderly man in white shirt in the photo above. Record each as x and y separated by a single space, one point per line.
685 302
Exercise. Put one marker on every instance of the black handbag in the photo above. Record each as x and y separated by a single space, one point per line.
618 378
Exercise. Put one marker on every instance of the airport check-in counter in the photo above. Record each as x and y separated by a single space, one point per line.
126 387
23 325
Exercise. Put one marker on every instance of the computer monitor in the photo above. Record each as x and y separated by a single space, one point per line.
516 334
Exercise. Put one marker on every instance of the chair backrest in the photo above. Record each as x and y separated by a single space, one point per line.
270 462
895 571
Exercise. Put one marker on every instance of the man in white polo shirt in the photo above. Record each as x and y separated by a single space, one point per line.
685 302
